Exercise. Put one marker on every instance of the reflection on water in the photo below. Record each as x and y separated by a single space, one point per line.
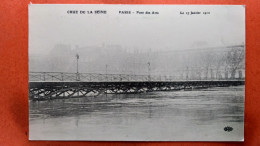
176 115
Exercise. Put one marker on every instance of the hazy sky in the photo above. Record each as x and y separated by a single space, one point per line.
169 30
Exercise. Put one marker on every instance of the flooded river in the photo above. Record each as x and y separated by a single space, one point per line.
198 115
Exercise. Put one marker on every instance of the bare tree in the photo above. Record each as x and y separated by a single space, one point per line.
234 60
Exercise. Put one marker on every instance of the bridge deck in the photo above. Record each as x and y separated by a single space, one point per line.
53 90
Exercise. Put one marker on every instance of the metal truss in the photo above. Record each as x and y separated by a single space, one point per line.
61 90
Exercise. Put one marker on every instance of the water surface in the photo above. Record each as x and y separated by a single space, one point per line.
168 116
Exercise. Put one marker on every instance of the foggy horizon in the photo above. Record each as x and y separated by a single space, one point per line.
124 44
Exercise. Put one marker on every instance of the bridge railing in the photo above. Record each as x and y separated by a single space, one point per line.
95 77
87 77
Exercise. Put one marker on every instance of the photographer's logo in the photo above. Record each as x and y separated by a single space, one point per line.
228 128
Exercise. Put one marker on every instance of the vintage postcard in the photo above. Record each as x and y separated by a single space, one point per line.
136 72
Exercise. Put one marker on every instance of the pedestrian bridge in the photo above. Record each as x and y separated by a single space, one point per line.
58 85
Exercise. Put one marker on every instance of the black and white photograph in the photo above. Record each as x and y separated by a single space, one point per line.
104 72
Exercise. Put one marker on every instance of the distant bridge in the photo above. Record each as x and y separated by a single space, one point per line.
58 85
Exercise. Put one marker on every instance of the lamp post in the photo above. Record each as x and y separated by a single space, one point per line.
106 72
77 57
149 71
